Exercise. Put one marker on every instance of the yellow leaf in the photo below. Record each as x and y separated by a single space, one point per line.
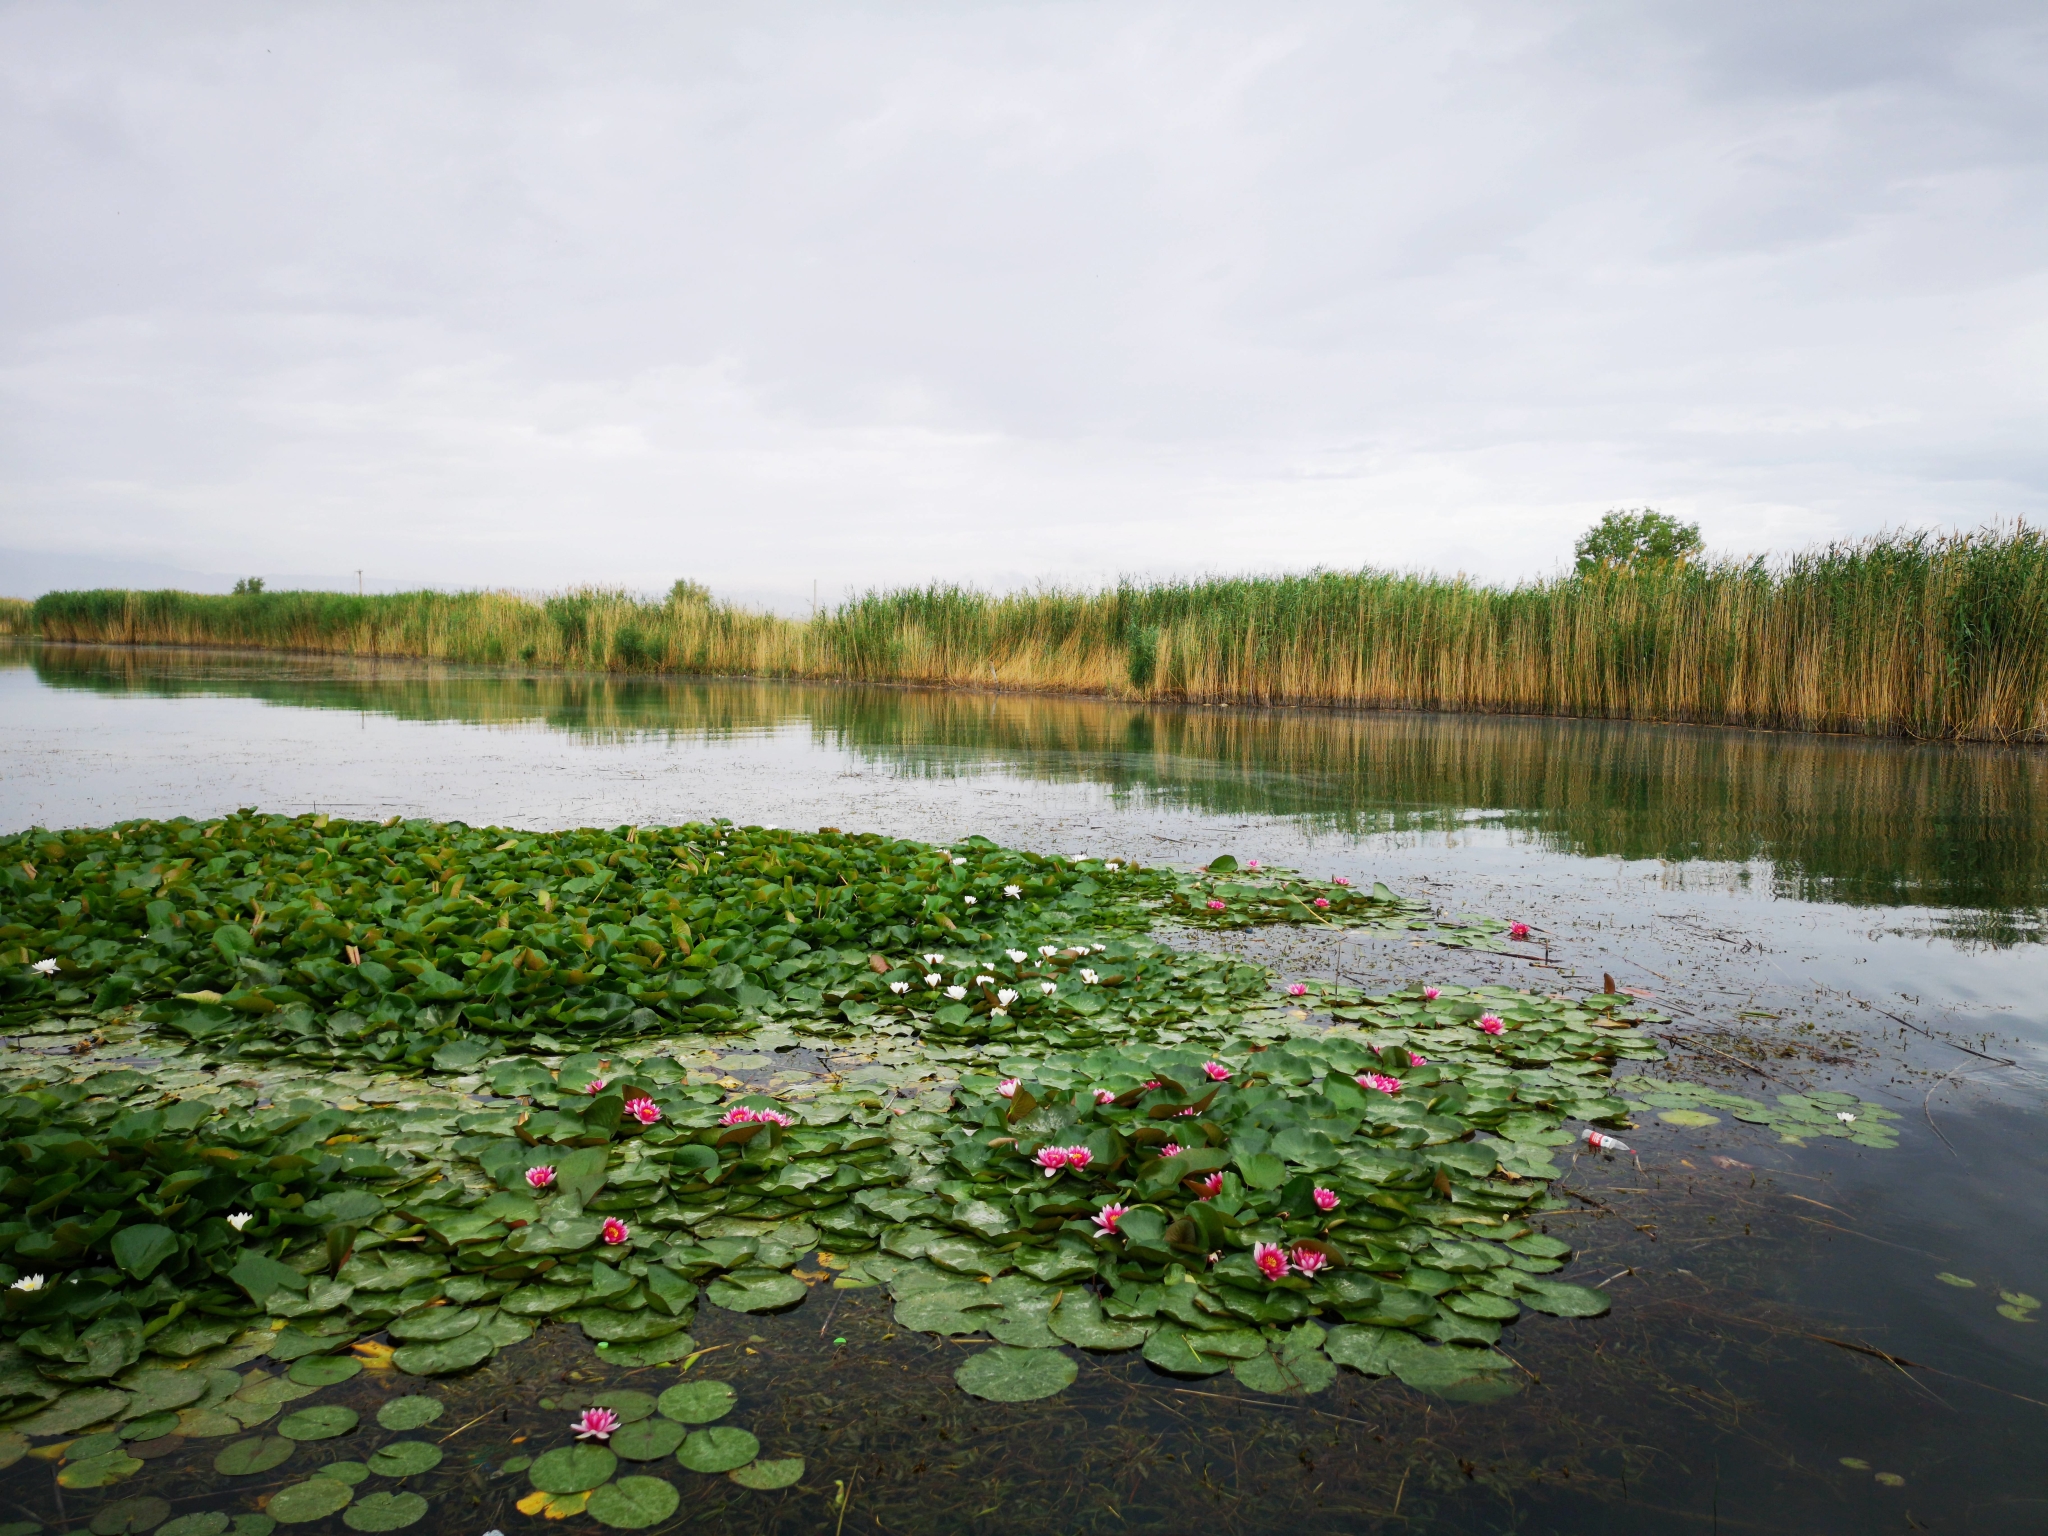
533 1503
562 1505
375 1356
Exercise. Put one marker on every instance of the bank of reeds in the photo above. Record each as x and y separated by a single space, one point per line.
1912 635
14 612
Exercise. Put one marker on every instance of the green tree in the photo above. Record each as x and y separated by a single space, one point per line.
248 585
689 594
1628 540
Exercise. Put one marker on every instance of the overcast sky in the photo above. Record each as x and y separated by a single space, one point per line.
527 295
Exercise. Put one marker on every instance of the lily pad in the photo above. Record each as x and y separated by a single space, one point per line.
1299 1366
384 1511
150 1427
1006 1375
322 1423
403 1413
719 1449
1078 1319
98 1471
782 1472
405 1458
659 1351
324 1370
1561 1298
350 1472
432 1325
756 1290
629 1405
605 1326
446 1357
1688 1117
697 1402
74 1411
314 1499
633 1503
245 1458
125 1517
649 1440
203 1522
572 1469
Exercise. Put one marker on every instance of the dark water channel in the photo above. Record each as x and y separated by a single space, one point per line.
1813 913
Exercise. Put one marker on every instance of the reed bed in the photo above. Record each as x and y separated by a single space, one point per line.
14 612
1905 635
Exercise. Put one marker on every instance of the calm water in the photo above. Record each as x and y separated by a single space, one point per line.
1813 911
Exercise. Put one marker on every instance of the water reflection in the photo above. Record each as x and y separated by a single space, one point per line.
1827 819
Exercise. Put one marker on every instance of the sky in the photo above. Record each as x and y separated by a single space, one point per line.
812 298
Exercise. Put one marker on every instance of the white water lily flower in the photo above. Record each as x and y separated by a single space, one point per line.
1006 997
899 987
1013 891
984 981
1088 976
957 863
1098 948
1017 955
1112 866
968 899
1048 950
28 1283
1845 1117
1048 987
933 979
998 1013
956 993
45 967
934 959
241 1219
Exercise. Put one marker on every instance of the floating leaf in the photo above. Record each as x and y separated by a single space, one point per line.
572 1468
403 1413
1005 1375
314 1499
446 1357
405 1458
697 1402
245 1458
1561 1299
204 1522
1688 1117
783 1472
629 1405
431 1325
324 1370
632 1503
649 1440
384 1511
322 1423
718 1449
124 1517
756 1290
659 1351
98 1471
350 1472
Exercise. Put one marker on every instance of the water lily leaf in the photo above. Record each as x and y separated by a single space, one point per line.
75 1410
322 1423
1481 1304
405 1458
432 1325
384 1511
1561 1298
403 1413
718 1449
151 1426
445 1357
203 1522
139 1250
938 1311
1455 1372
1688 1117
629 1405
783 1472
1299 1366
661 1351
633 1503
572 1468
697 1402
1005 1375
324 1370
756 1290
98 1471
1079 1320
245 1458
124 1517
1367 1350
649 1440
350 1472
155 1391
314 1499
1069 1261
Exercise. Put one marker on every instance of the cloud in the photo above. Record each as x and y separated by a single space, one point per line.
881 294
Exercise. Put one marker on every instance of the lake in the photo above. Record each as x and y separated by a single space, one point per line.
1814 913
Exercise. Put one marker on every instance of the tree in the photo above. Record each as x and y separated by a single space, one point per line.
689 594
248 585
1627 541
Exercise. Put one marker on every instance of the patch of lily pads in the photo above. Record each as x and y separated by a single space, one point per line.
1796 1117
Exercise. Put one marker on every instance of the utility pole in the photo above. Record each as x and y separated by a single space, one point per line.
359 583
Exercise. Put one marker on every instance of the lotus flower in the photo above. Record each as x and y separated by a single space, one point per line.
1047 988
1326 1199
967 900
1106 1218
1007 1087
595 1424
1307 1261
44 968
1297 990
1215 905
1105 1095
1079 1158
1431 994
29 1283
594 1087
1013 891
1490 1022
1047 951
614 1231
541 1177
1171 1149
958 994
645 1110
241 1219
1007 996
899 987
1051 1159
1379 1080
1210 1186
1271 1261
1322 901
1089 976
933 979
1218 1073
1518 930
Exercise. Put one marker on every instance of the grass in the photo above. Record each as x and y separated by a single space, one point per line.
14 612
1904 635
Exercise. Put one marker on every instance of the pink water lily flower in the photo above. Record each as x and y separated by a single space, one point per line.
595 1424
1518 930
1008 1087
541 1177
1308 1260
1253 865
1105 1096
1417 1061
1051 1159
615 1231
1151 1085
1106 1218
1297 990
1431 994
1339 880
741 1114
1271 1260
1490 1022
1326 1199
1210 1186
1379 1080
1171 1149
1322 901
1218 1073
1215 905
594 1087
645 1110
1079 1158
